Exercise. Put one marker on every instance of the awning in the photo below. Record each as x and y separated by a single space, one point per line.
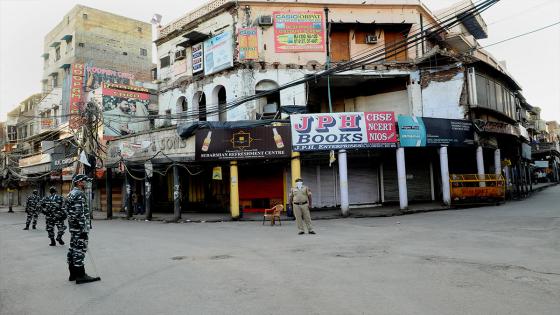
45 55
53 73
194 36
67 37
55 44
65 66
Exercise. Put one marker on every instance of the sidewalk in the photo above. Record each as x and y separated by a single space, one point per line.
319 214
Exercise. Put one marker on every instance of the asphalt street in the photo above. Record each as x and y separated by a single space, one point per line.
490 260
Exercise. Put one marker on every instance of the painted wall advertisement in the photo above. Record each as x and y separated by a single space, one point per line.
76 94
248 44
197 58
299 31
125 109
359 130
243 143
218 53
421 131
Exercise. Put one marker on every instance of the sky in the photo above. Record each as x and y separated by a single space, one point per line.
533 60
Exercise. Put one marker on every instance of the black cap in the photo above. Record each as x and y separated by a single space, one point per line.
299 180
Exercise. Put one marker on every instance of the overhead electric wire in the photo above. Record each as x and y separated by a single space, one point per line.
520 35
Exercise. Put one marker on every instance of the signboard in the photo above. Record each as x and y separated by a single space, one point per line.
96 76
156 146
526 151
422 131
218 53
34 160
299 31
179 67
76 94
63 156
197 58
497 127
541 164
359 130
248 44
243 143
125 109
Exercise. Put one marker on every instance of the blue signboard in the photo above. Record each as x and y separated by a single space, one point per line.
422 131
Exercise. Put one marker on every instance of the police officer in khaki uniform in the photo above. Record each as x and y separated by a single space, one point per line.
300 199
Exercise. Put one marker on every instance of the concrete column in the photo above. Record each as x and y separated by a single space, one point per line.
480 164
401 175
234 190
444 163
128 194
109 192
296 167
343 176
176 194
497 162
148 198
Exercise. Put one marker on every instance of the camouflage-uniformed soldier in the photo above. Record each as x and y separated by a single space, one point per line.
54 215
300 198
32 208
79 222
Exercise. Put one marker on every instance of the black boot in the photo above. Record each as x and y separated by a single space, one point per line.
52 242
72 270
34 226
26 227
60 241
82 277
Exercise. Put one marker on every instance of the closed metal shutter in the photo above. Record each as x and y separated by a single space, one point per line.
363 183
322 182
390 181
418 178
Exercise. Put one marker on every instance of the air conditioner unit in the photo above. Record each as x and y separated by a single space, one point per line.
265 20
180 54
371 39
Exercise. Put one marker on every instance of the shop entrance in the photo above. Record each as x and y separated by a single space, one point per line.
260 187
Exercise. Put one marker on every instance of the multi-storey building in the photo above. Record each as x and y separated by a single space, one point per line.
108 48
228 64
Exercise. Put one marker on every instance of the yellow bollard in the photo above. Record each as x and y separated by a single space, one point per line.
296 168
234 190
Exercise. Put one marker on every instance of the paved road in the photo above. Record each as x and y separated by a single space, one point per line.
495 260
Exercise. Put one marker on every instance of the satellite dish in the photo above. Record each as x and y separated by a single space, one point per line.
156 19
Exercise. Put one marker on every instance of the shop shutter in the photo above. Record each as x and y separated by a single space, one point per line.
363 187
418 179
322 182
390 181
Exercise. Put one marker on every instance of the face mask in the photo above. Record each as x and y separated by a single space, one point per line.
299 185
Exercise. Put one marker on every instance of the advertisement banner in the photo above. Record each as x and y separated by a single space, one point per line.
422 131
96 76
243 143
218 53
76 94
197 58
358 130
248 45
299 31
124 110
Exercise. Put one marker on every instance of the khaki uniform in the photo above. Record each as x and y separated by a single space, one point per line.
300 199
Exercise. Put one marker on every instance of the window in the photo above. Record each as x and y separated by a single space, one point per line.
340 46
182 105
57 53
165 62
125 53
81 45
54 81
84 16
143 52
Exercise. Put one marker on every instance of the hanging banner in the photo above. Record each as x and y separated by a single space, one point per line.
243 143
422 131
76 94
248 45
197 58
299 31
125 108
218 53
359 130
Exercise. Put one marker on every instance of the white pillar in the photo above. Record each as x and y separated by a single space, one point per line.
443 161
343 174
497 162
401 175
480 164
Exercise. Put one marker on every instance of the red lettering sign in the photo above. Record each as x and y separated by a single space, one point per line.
76 93
380 127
